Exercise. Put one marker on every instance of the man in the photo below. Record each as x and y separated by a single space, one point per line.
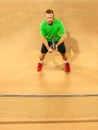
52 28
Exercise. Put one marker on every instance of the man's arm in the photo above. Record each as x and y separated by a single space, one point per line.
61 40
44 41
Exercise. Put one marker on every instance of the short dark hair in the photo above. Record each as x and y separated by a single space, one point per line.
49 11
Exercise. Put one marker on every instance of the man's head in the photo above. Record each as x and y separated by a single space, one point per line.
49 15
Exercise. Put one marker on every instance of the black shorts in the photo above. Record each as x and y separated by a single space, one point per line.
61 48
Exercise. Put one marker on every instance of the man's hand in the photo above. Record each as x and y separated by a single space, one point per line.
50 50
56 46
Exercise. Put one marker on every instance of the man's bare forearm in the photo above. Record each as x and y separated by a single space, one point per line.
62 39
44 41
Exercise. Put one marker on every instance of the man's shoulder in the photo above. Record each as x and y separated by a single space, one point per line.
43 23
57 19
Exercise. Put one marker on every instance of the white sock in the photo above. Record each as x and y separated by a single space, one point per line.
41 62
65 61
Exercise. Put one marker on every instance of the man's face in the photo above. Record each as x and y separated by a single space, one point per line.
49 18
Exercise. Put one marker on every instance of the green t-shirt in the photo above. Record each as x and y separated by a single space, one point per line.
52 30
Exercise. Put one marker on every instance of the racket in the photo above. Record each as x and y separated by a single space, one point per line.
53 44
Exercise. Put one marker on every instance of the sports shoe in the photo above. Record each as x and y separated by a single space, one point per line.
39 67
67 67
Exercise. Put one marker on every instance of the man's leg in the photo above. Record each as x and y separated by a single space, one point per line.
62 50
42 57
40 64
67 65
64 57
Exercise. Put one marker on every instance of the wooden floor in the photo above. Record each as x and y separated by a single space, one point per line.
20 44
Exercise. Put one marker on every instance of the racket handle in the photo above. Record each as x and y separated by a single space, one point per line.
53 44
